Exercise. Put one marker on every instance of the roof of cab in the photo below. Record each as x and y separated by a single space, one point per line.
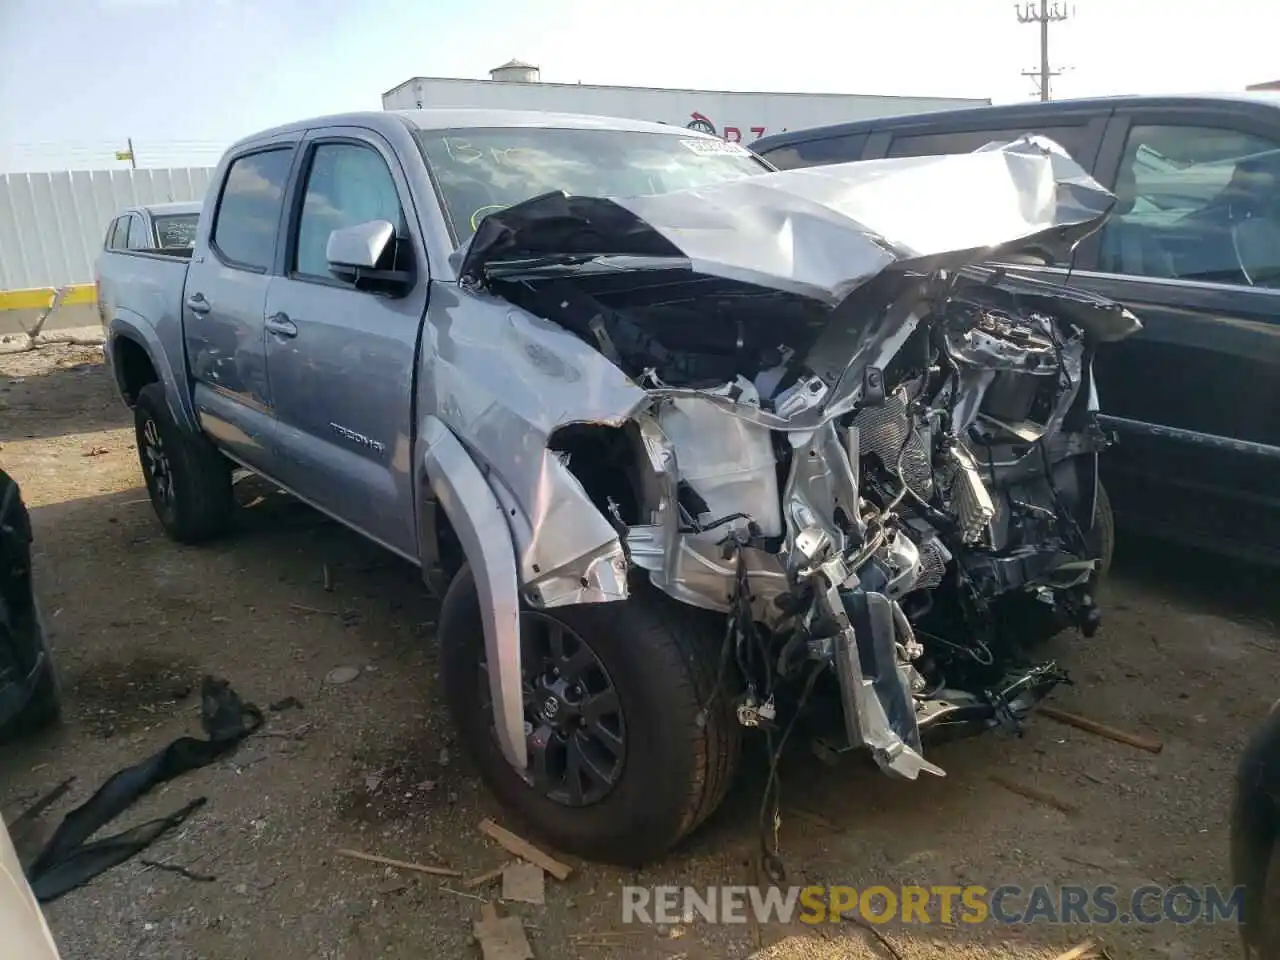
175 207
441 118
1012 112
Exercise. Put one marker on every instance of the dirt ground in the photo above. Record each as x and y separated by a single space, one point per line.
1188 654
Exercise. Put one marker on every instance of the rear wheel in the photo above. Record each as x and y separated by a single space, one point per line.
188 481
622 769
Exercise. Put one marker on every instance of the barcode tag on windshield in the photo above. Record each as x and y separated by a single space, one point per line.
709 147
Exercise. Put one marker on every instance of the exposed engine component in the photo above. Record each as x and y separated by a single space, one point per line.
888 433
968 496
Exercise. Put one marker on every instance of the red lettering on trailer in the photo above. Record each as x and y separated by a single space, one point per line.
701 122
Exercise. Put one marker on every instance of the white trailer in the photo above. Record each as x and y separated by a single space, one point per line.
741 117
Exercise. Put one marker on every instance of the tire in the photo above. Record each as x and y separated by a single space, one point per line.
43 710
188 480
662 659
1102 538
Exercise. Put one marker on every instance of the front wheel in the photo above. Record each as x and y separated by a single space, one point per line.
621 767
188 481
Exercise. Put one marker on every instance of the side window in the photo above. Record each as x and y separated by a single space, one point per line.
1196 203
1074 139
809 153
120 233
138 239
347 184
244 230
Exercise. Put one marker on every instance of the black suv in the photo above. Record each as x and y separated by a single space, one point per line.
1193 248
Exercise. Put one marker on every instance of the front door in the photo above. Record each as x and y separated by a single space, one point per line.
223 306
341 360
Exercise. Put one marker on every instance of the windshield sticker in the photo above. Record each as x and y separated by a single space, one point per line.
715 147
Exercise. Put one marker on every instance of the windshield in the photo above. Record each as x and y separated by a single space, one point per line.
480 170
175 231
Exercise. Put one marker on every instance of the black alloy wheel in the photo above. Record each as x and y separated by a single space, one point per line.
574 726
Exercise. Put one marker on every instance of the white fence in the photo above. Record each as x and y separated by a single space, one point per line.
52 224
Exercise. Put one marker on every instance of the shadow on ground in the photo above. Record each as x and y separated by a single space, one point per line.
76 396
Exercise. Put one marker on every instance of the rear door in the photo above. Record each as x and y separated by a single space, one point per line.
1195 397
225 300
341 360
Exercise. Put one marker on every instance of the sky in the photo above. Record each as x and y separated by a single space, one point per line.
184 78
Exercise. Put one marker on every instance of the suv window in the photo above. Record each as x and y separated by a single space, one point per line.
138 239
244 230
116 239
347 184
1074 139
810 153
1195 203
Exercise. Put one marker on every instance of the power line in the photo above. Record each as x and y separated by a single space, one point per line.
1044 15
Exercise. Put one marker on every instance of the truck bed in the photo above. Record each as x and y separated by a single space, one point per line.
143 289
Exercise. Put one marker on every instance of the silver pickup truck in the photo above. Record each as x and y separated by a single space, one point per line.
690 446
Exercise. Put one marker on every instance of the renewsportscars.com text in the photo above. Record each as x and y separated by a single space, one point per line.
935 904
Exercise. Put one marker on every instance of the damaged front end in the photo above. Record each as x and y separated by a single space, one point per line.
876 458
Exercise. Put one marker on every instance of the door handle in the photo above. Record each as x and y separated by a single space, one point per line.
196 303
281 325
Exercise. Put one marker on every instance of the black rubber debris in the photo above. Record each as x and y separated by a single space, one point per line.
67 861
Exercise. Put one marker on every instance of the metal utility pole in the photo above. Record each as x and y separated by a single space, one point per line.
1043 14
128 155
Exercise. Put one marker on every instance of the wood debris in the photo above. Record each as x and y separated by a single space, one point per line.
1079 952
525 850
524 882
401 864
1033 793
501 938
487 877
1102 729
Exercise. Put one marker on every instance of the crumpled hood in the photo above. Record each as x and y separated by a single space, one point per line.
821 232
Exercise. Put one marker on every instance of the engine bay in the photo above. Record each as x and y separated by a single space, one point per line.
914 546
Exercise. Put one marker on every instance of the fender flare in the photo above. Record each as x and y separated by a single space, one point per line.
123 327
477 518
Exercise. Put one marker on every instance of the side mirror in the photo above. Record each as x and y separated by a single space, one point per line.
364 254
